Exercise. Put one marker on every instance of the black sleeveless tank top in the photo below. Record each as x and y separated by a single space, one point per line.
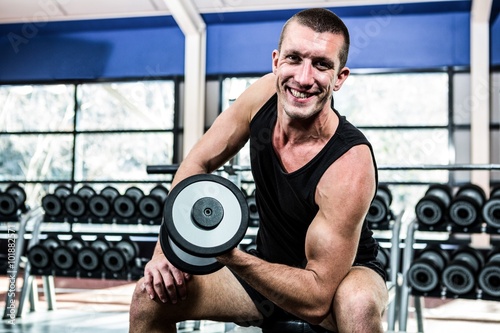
286 200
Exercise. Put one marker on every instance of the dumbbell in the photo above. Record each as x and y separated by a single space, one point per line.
461 274
125 205
425 272
379 211
120 257
97 205
19 195
204 216
100 205
65 255
160 192
432 208
8 206
86 192
53 203
465 208
491 209
114 260
151 205
89 259
12 201
40 255
489 277
110 193
75 205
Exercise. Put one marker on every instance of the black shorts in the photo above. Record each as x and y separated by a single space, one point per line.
271 313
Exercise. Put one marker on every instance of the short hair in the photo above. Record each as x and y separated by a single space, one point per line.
321 20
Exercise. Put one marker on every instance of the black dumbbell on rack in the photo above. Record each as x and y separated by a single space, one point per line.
432 209
491 210
379 213
465 211
460 276
12 202
489 276
424 274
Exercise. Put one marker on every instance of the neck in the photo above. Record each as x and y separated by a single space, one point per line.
319 128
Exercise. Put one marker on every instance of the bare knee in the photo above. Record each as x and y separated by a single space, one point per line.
360 312
145 313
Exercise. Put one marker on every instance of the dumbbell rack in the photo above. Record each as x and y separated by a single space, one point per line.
54 229
19 224
442 235
86 227
448 234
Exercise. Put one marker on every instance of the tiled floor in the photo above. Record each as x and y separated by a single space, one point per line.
100 306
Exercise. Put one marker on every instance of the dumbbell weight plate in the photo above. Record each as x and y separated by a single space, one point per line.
52 204
206 215
7 204
184 261
39 256
63 258
129 248
88 259
114 260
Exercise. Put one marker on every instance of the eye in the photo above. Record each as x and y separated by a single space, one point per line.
324 65
293 58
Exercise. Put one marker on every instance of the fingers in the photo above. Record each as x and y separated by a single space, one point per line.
165 282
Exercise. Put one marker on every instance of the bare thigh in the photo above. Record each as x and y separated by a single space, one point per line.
218 296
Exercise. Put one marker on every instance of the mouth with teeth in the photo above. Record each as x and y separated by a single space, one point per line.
299 94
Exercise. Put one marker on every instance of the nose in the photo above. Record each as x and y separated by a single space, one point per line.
304 75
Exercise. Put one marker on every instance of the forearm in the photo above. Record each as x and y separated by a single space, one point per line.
296 290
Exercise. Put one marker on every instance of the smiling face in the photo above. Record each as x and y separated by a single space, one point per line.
307 70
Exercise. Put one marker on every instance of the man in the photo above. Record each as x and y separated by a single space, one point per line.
315 177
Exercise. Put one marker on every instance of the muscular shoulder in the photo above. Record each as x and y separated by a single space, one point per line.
349 182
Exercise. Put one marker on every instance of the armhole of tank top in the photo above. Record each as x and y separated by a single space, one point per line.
271 100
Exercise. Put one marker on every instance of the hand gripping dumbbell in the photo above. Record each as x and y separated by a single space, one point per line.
204 216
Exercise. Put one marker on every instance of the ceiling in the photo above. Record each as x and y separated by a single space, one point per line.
22 11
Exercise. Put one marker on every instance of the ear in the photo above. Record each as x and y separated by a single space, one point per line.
341 77
276 56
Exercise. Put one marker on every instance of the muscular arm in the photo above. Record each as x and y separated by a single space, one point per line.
222 141
343 196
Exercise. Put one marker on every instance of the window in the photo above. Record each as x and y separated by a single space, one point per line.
86 133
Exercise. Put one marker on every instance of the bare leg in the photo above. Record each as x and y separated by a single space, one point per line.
359 303
218 296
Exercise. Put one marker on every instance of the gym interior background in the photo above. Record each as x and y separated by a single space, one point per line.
92 93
